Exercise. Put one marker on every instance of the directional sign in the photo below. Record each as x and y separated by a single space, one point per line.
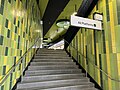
85 23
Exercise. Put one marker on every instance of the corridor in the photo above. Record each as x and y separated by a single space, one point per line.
59 44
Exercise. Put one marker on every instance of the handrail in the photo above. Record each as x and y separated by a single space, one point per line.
94 64
19 62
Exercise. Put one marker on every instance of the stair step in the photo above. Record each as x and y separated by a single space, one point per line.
50 72
52 60
52 67
49 54
51 84
54 70
51 50
52 77
52 57
57 55
51 63
54 54
76 87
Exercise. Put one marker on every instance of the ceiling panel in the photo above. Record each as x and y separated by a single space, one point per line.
85 9
43 5
70 8
53 9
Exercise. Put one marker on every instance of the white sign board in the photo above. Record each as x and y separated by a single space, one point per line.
85 23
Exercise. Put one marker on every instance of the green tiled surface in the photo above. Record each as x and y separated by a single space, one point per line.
18 25
102 48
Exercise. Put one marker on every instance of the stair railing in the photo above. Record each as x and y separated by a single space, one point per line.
92 63
21 61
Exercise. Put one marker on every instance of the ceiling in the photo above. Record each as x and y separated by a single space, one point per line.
42 6
70 8
63 8
54 10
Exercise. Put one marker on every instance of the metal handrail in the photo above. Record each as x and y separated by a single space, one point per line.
94 64
19 62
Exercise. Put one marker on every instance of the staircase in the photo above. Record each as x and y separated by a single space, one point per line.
54 70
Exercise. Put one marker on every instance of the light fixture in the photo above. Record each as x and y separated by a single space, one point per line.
18 13
63 23
41 22
98 16
37 30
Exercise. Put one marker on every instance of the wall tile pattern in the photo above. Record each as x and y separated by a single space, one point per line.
19 23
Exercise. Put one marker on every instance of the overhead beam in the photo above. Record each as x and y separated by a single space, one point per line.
53 10
84 10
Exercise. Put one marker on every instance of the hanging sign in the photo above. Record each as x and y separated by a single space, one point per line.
85 23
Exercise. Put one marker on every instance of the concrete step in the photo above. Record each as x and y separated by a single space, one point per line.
52 67
51 51
61 52
50 72
52 84
56 57
76 87
51 54
53 77
54 70
52 60
51 63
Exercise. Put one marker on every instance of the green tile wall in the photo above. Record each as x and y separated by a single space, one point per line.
19 21
101 48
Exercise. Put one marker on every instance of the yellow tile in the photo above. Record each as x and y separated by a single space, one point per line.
5 60
13 35
98 77
98 64
7 68
108 57
112 27
0 28
17 5
0 2
15 52
1 77
93 44
16 20
118 56
23 27
97 52
118 62
108 63
14 82
9 25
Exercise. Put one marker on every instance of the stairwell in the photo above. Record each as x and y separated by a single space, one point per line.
54 70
